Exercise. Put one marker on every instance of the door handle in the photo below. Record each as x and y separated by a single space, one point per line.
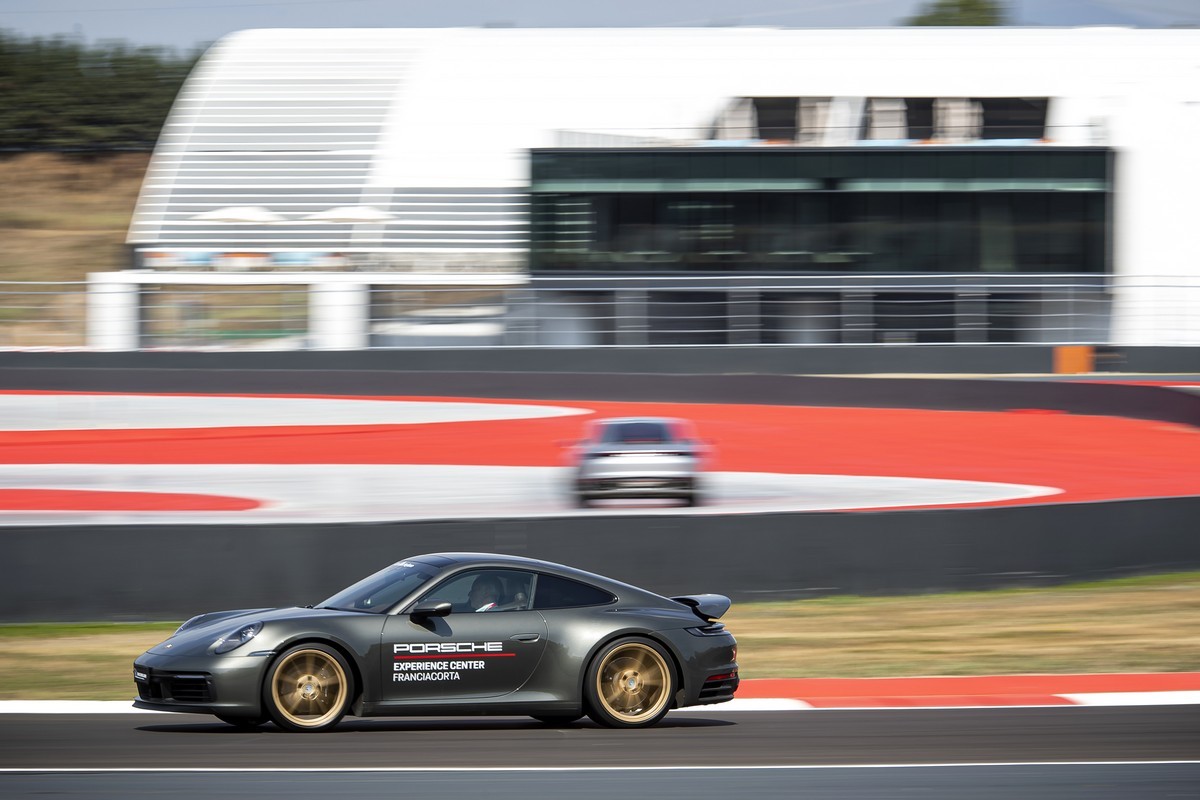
527 637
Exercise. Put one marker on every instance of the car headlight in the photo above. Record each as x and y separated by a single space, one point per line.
237 638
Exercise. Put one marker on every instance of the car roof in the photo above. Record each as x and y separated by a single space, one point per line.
623 590
445 559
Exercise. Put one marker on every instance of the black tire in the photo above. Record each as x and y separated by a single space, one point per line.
308 688
245 723
555 720
629 684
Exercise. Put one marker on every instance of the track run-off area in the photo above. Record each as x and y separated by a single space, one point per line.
227 458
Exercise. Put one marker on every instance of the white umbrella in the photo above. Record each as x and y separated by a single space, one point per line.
351 214
241 214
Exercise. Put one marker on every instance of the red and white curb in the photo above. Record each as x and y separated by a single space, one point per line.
950 702
797 694
976 691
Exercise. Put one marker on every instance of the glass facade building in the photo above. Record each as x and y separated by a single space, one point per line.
857 210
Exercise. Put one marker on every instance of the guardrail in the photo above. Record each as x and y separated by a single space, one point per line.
145 310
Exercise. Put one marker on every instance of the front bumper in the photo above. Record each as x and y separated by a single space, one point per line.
211 684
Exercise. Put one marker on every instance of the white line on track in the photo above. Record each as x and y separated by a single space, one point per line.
54 412
612 768
1134 698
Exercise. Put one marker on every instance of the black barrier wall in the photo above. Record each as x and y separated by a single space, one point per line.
779 360
171 573
1111 399
764 360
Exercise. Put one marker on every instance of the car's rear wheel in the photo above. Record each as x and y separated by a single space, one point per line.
245 723
308 688
629 684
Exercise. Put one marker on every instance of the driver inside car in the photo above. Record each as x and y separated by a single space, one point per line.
485 593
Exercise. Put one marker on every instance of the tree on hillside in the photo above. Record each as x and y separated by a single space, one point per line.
59 94
961 13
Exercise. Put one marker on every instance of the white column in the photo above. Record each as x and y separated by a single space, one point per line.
1156 297
113 312
337 316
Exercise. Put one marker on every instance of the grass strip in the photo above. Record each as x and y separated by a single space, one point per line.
1143 624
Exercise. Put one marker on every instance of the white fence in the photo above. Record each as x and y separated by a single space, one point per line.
143 310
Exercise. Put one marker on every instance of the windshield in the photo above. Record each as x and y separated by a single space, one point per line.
379 592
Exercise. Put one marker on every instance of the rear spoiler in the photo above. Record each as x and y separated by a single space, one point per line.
708 607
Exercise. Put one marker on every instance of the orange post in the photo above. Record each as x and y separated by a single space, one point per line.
1074 358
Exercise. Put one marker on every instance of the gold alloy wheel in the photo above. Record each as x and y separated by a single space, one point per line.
632 682
309 688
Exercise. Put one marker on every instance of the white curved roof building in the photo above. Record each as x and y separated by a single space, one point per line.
387 149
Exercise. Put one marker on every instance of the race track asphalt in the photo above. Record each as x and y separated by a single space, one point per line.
1144 752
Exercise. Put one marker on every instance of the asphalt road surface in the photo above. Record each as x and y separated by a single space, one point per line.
1001 752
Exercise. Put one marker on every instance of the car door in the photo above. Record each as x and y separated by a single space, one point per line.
473 652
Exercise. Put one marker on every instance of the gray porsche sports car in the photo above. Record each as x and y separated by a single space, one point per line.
451 633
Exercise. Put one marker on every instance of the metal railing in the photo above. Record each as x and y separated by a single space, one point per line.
42 315
376 311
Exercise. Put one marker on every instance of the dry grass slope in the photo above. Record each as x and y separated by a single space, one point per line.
60 219
64 217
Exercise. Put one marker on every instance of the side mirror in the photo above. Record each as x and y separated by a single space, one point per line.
430 608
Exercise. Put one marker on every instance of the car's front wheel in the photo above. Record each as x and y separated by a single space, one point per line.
308 688
629 684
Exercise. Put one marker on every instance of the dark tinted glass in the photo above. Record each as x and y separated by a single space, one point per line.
858 210
636 433
555 592
382 590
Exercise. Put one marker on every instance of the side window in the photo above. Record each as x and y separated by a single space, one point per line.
480 590
555 592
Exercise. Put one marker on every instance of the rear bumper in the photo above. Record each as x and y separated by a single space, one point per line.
710 671
718 688
636 487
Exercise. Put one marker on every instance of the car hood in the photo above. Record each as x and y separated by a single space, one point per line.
197 635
